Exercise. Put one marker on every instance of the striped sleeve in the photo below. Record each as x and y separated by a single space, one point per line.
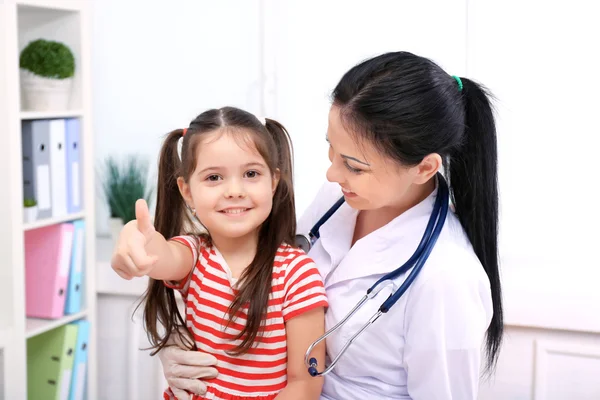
193 244
304 289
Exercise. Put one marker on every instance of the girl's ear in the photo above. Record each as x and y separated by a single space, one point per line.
186 193
275 182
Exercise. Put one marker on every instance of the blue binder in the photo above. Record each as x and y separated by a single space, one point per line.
76 269
36 165
73 154
78 379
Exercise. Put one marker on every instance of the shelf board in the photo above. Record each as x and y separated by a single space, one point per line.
37 326
30 115
62 5
52 221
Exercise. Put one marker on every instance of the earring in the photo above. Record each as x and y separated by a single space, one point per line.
192 210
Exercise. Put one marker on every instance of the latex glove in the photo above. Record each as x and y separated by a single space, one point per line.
130 258
184 368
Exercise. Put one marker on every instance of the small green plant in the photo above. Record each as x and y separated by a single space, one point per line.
48 58
123 184
29 203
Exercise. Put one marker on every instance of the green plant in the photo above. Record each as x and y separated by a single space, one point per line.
123 184
48 58
29 203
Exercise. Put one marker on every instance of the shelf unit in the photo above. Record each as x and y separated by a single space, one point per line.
21 21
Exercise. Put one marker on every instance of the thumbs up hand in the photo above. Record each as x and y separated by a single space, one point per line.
130 257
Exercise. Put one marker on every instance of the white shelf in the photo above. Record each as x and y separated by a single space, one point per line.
21 21
52 221
29 115
37 326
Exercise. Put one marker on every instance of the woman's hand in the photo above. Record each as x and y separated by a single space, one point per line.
184 369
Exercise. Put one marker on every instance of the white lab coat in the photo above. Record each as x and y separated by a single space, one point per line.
428 346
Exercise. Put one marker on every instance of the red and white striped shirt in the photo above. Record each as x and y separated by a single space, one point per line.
260 373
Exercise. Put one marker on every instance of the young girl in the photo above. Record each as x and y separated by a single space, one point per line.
252 300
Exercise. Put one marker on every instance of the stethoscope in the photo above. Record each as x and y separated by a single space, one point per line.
417 260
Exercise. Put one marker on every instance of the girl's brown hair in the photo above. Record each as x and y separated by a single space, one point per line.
273 143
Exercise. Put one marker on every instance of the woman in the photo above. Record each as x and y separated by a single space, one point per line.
396 120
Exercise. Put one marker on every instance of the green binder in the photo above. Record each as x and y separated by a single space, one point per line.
50 363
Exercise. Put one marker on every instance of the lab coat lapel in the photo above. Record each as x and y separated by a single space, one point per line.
380 252
336 236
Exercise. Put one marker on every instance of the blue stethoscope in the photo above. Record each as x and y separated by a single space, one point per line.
417 260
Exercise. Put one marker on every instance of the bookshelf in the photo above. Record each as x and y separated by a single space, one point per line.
21 21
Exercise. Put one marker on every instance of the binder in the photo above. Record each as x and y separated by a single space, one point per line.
50 359
47 261
58 168
77 264
73 153
36 164
78 379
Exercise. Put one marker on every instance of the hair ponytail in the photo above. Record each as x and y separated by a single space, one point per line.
284 164
474 187
160 305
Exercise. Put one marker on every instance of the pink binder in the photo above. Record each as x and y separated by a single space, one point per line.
47 261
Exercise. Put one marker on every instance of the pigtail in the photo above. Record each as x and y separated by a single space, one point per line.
283 201
160 306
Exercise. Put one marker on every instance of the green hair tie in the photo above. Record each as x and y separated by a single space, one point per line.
460 85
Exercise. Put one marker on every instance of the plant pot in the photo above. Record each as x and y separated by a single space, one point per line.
115 225
30 214
45 94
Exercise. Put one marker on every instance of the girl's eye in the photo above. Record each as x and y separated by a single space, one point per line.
252 174
213 178
352 169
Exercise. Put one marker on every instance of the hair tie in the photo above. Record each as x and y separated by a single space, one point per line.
460 84
184 132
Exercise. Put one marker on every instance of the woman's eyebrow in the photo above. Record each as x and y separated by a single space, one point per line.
355 159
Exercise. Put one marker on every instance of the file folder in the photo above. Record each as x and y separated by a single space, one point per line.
73 139
58 168
47 262
78 380
77 265
50 359
36 164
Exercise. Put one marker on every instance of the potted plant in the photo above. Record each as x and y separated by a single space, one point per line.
123 184
47 70
29 210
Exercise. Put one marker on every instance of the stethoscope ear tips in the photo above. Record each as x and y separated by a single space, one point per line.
313 367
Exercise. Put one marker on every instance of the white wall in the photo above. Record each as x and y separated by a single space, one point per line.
541 61
311 44
156 65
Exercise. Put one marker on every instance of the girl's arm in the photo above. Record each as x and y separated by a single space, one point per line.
302 331
141 251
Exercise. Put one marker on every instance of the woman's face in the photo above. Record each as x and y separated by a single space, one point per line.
370 180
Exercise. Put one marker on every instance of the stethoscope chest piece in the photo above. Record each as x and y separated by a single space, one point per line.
303 242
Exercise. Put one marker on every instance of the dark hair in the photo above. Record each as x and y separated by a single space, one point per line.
408 107
273 143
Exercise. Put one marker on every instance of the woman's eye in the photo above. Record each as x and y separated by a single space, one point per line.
352 169
212 178
252 174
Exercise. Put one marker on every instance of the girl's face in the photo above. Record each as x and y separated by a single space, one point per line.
231 187
370 180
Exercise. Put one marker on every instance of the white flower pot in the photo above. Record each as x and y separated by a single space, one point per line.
30 214
45 94
115 225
